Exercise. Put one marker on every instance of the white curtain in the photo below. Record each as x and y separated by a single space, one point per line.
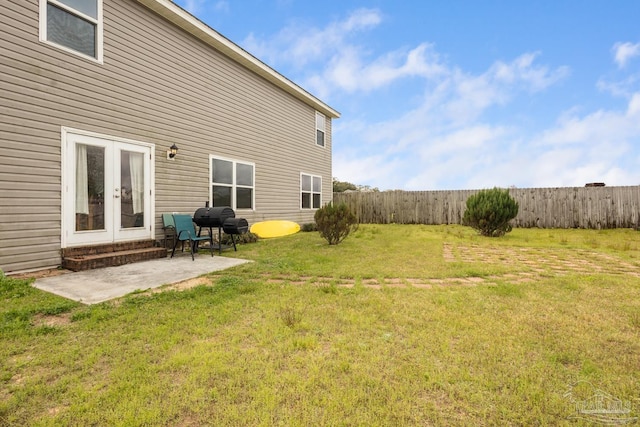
136 167
82 180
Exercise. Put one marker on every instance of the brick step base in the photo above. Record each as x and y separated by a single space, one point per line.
99 256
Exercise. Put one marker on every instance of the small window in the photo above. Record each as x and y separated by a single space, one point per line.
311 191
73 25
232 183
320 129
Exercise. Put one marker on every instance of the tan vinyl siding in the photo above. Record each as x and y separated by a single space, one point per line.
158 85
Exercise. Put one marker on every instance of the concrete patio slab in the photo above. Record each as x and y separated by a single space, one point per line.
103 284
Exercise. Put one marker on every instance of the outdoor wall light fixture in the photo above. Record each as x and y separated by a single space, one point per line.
172 151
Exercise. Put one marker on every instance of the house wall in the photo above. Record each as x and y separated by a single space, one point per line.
159 85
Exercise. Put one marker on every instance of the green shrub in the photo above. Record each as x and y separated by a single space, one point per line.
335 222
290 316
310 226
489 212
240 239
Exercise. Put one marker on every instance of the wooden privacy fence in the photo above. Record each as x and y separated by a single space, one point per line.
570 207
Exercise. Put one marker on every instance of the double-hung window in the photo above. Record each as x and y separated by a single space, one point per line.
73 25
232 183
311 191
320 129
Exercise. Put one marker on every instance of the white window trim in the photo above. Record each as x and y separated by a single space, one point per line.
311 192
99 29
323 129
233 186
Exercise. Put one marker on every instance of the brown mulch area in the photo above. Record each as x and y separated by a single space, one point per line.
39 274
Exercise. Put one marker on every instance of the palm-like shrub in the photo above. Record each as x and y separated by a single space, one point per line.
335 222
489 212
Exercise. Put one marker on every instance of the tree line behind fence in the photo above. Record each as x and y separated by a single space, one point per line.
570 207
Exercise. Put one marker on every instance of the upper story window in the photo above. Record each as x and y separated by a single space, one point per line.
73 25
232 183
320 129
310 191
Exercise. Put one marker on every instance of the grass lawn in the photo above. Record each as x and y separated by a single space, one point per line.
398 325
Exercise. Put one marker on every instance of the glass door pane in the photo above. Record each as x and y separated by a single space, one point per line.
90 184
132 194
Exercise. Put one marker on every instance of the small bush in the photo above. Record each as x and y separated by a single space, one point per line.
331 288
247 237
489 212
290 316
310 226
335 222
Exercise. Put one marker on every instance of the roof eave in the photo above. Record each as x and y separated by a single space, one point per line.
199 29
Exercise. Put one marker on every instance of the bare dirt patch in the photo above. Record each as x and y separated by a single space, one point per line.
39 274
180 286
447 253
52 320
184 285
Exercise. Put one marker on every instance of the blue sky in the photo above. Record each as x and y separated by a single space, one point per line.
439 95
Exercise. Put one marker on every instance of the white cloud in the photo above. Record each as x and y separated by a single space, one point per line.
626 85
455 132
359 168
458 100
299 43
348 70
358 20
522 70
432 151
464 139
597 147
345 65
633 111
445 139
596 127
624 52
576 166
498 85
624 88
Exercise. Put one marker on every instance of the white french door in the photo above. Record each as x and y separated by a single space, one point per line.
106 190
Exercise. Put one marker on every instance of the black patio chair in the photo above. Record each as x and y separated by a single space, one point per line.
169 228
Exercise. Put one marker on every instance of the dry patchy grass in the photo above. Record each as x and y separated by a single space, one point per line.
398 325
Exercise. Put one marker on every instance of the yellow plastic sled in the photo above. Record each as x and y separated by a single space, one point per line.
274 228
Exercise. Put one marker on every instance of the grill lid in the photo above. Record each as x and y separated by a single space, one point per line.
212 217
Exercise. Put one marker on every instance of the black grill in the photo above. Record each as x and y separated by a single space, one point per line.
212 217
222 218
235 226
